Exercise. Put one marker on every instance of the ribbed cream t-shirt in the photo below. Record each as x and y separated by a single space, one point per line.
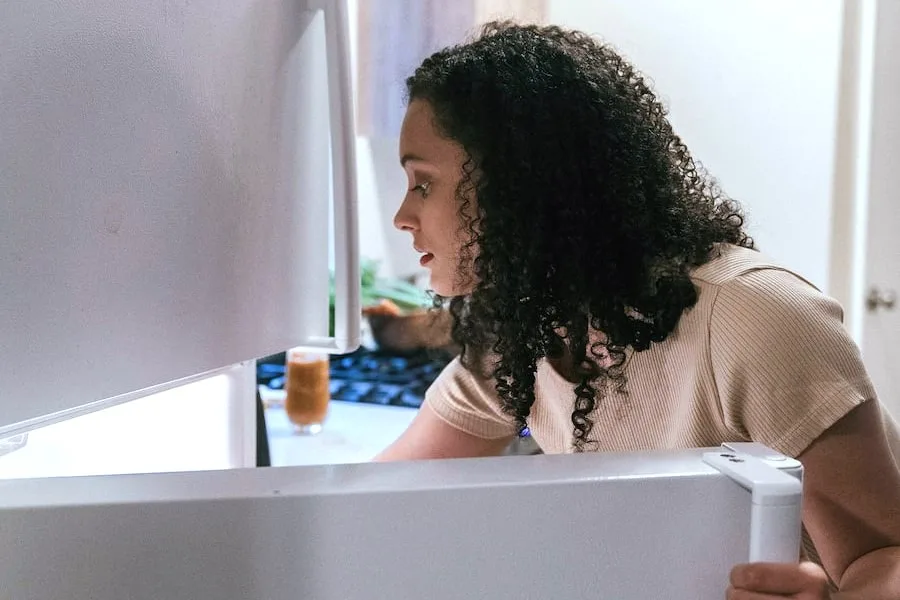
763 356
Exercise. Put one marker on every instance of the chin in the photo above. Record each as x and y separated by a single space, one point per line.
441 287
448 286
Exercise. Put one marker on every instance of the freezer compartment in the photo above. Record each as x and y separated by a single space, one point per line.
166 170
207 424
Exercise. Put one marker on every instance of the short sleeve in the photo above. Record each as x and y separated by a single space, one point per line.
469 403
785 367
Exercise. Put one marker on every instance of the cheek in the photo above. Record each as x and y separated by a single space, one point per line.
441 221
449 214
464 230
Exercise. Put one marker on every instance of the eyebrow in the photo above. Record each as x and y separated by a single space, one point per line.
408 157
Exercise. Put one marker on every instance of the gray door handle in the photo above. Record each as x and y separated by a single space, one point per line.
881 299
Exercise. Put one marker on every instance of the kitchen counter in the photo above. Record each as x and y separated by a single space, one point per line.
352 433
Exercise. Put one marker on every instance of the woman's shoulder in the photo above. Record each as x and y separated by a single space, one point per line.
740 287
731 264
785 368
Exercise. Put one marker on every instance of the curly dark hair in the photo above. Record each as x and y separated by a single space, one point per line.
582 209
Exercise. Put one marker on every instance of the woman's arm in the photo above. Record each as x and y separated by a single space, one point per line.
852 505
429 436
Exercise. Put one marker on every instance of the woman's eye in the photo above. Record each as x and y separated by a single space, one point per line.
422 188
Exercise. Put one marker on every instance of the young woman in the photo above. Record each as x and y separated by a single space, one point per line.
606 295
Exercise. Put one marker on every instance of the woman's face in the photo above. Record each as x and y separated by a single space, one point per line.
430 210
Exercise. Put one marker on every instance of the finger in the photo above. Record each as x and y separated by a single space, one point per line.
779 578
737 594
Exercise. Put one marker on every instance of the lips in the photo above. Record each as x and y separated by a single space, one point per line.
426 257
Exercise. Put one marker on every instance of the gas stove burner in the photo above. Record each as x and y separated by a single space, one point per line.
368 376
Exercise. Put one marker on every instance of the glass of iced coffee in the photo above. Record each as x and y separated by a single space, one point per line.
306 384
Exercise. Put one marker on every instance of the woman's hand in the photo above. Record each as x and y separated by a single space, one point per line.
765 581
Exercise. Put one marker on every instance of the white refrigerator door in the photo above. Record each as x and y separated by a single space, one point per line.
165 171
638 526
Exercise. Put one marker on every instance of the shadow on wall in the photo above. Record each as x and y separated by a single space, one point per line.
421 27
394 36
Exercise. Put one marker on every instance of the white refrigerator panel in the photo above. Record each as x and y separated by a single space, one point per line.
632 526
165 171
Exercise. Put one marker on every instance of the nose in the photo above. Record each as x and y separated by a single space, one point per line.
406 218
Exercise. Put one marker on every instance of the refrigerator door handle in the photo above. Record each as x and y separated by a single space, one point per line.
776 495
345 238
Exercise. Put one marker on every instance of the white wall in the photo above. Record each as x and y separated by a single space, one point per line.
752 88
381 185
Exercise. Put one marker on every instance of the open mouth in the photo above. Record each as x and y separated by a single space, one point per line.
426 258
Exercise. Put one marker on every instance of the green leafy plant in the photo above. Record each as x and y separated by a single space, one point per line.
374 289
